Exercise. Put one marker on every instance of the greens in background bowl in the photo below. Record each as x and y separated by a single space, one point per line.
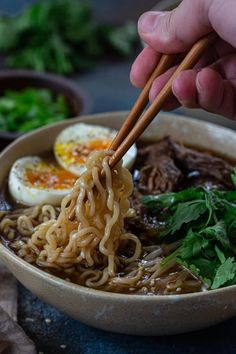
22 111
29 100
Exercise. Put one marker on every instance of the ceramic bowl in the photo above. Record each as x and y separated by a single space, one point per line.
130 314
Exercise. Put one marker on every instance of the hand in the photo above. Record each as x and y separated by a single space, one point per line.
211 85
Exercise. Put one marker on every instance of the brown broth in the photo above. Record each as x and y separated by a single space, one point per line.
158 286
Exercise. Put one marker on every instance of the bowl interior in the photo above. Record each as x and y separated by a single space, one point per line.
107 310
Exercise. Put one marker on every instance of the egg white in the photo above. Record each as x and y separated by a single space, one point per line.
82 133
23 192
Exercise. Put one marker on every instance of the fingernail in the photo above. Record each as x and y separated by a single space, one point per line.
152 96
148 21
176 88
199 85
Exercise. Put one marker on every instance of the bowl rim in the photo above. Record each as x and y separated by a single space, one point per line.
64 82
50 278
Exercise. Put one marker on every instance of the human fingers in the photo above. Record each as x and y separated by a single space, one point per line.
206 89
143 66
175 31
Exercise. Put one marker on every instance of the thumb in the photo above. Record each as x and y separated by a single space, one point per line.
175 31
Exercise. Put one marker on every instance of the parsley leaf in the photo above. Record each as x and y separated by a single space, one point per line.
202 267
193 244
167 200
233 176
220 255
185 213
217 232
224 273
204 223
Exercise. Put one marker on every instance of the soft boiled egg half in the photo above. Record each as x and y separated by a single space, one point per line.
75 143
33 180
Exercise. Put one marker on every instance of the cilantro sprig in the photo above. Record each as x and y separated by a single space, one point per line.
205 223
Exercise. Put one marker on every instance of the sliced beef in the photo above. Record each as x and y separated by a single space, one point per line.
160 177
155 172
158 172
150 154
166 166
213 170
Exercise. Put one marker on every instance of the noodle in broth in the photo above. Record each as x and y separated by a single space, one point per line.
86 239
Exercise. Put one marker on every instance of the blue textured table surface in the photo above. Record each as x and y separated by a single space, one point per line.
53 332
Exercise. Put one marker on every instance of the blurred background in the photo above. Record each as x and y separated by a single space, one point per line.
109 71
109 10
91 44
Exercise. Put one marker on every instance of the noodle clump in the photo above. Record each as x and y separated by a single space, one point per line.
85 239
90 226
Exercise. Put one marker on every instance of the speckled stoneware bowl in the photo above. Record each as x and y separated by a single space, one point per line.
130 314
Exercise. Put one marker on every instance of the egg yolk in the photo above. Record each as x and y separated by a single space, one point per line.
49 176
73 153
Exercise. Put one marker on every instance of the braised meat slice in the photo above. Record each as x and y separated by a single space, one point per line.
160 177
151 153
210 168
158 172
155 172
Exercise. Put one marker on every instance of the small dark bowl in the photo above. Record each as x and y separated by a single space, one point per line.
20 79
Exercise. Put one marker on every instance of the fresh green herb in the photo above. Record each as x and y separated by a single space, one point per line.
193 245
233 176
184 214
204 221
225 273
167 200
61 36
21 111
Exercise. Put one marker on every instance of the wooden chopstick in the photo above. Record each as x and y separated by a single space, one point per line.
123 145
163 65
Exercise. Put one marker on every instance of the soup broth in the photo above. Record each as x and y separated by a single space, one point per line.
161 167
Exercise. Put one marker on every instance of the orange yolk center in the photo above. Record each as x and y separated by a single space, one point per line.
72 153
52 178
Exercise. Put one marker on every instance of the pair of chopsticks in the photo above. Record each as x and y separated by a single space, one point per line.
130 132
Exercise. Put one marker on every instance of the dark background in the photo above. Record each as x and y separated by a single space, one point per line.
108 89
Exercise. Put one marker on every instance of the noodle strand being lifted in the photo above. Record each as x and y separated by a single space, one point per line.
93 238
